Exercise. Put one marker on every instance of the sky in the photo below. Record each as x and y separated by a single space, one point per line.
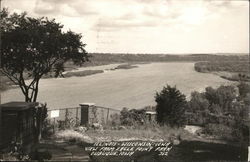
149 26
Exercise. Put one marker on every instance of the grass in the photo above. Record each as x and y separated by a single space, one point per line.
144 132
73 136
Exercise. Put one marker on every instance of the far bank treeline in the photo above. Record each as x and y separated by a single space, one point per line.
106 58
232 67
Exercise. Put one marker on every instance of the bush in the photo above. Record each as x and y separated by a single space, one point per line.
170 108
47 129
244 89
219 130
132 117
115 119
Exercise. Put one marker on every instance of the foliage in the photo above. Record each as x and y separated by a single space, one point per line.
40 115
170 108
17 151
198 102
132 117
115 119
82 73
107 58
125 66
34 47
230 66
224 112
219 130
222 96
47 130
244 89
69 121
238 69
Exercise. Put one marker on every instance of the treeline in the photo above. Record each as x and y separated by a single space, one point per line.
222 112
238 70
230 66
106 58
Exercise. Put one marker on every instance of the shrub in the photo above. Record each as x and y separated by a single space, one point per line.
115 119
47 129
132 117
219 130
244 89
69 121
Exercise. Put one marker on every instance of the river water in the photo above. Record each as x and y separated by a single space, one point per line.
132 88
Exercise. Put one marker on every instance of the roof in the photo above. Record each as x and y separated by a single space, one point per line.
87 104
18 106
151 112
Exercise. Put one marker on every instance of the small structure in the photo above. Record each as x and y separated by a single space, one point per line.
151 115
17 123
88 113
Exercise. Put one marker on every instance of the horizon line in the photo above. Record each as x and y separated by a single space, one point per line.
217 53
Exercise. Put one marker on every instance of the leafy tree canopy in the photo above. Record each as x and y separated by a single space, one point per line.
222 96
34 47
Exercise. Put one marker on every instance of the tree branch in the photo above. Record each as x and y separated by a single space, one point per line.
5 72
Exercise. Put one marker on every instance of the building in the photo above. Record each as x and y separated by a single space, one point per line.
17 123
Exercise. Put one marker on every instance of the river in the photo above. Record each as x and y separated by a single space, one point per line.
132 88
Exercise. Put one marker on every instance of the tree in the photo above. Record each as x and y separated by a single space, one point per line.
222 96
170 108
34 47
197 108
198 102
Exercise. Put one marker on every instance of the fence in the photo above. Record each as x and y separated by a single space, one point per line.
86 114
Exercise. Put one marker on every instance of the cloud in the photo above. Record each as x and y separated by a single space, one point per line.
190 24
44 8
70 8
121 24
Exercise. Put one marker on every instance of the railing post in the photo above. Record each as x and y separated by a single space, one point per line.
107 116
76 115
85 113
